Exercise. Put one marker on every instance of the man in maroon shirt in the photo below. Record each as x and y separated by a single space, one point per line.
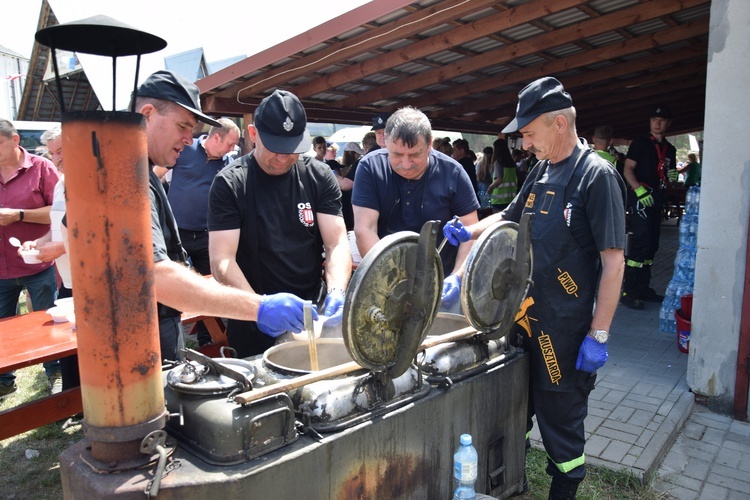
27 183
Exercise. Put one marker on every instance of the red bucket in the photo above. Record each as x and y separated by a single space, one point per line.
686 302
683 331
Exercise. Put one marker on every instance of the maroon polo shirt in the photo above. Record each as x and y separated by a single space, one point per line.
31 186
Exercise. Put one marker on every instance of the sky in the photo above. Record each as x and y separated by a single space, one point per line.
235 27
232 28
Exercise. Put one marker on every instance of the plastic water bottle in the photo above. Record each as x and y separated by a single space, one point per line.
465 465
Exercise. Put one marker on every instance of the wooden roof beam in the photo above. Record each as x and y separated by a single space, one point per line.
606 53
401 28
472 31
638 13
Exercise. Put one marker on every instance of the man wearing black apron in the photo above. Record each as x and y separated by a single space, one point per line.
578 239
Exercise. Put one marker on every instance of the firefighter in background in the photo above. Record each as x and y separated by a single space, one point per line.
578 240
650 167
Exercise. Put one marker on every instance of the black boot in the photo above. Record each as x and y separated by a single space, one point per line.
645 292
629 295
560 489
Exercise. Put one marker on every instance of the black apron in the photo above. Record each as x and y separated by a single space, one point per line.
556 315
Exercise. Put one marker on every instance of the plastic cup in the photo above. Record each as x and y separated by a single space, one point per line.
30 256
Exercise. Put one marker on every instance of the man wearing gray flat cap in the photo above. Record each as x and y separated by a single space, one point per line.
171 108
578 238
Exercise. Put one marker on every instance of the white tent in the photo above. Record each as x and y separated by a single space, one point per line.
350 134
355 134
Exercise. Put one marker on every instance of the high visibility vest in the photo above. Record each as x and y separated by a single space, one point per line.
506 191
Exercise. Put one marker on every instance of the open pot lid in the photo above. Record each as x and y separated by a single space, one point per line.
497 277
392 300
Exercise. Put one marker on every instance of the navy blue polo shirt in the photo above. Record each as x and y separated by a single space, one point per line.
443 191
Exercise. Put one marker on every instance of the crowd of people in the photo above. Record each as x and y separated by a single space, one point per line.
266 221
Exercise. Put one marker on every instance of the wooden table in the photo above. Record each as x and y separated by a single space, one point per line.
34 338
28 340
216 330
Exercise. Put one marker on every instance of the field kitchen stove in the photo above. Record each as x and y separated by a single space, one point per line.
380 417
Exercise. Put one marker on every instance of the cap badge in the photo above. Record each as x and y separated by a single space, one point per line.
288 124
380 120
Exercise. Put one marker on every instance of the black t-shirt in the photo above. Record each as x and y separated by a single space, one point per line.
643 151
471 170
166 239
280 247
346 199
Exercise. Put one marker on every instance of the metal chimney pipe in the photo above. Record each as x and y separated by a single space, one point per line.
109 228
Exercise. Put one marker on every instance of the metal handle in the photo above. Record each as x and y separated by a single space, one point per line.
307 311
445 240
154 442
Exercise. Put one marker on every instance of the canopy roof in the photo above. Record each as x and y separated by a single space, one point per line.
463 62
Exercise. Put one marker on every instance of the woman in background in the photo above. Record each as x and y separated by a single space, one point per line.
503 187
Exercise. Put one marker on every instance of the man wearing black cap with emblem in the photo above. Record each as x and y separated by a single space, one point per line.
650 166
378 126
271 215
171 107
577 237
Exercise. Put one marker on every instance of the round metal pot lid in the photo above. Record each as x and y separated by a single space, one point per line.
195 378
495 281
386 316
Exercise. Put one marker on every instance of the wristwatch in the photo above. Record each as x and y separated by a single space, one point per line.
601 336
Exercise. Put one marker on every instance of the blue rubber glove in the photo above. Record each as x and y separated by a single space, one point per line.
334 307
644 196
591 356
451 291
456 233
282 312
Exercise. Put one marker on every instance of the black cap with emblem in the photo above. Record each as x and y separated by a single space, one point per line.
661 111
378 121
281 122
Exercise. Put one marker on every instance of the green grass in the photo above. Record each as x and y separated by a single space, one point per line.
600 483
37 478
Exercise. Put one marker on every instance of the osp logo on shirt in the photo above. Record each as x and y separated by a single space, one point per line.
305 213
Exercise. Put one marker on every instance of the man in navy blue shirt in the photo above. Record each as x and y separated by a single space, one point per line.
192 176
407 183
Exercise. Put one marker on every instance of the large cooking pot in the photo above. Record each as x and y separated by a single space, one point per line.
294 357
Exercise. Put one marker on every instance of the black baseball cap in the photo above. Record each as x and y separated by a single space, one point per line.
540 96
662 111
378 121
281 122
169 86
